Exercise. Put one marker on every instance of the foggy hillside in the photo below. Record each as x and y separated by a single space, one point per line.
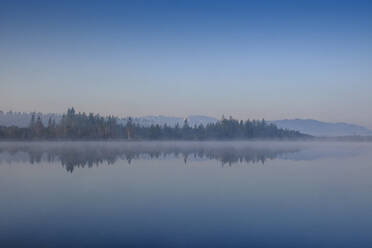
319 128
170 121
22 119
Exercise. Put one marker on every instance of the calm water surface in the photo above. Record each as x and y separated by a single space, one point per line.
185 194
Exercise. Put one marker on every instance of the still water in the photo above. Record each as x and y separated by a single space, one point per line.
185 194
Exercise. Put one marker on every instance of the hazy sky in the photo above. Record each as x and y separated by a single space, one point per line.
264 59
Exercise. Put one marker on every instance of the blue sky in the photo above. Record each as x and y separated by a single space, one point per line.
248 59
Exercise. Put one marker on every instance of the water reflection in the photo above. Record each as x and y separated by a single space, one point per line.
311 195
89 154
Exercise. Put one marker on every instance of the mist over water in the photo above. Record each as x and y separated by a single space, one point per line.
185 194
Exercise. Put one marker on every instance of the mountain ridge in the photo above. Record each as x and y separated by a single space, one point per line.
320 128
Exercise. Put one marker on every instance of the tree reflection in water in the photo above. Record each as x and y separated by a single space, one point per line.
89 154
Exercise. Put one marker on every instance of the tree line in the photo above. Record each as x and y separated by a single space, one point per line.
91 126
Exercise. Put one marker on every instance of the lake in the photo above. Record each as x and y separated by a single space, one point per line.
185 194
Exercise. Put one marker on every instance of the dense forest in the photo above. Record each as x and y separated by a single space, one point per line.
81 126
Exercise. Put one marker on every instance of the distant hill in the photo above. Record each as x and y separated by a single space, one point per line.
171 121
319 128
22 119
